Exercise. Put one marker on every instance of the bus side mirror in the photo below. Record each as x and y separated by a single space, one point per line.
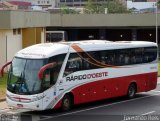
43 69
3 67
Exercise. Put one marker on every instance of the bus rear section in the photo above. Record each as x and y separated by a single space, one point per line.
72 73
102 74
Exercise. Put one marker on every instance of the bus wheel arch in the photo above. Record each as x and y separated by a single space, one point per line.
132 90
67 101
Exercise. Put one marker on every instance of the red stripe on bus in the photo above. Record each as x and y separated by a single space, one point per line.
114 87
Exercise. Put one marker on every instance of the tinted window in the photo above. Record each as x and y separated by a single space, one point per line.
150 54
74 63
109 58
90 60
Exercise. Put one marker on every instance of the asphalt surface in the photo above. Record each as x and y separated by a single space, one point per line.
145 106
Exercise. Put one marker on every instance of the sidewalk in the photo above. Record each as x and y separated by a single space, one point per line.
3 105
2 99
158 82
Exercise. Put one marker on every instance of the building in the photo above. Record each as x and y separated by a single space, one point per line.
45 3
30 30
7 6
15 5
41 3
58 3
19 29
141 6
142 0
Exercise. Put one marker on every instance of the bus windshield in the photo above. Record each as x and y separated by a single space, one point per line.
23 76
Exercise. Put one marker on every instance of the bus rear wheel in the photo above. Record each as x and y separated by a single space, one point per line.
131 91
66 103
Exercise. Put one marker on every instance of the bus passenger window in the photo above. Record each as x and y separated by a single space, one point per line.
74 64
126 60
107 57
86 64
150 54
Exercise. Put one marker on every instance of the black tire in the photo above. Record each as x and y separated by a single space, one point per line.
66 103
131 91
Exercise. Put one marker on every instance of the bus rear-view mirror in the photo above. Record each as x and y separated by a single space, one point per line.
3 67
43 69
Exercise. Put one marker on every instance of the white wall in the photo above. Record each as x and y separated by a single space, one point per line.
140 5
42 2
11 43
2 47
43 40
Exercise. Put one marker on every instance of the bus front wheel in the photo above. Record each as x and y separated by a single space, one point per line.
66 103
131 91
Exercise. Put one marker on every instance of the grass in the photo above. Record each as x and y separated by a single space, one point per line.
3 82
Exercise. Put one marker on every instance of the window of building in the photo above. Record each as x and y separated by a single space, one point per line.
19 31
62 0
69 0
14 31
139 0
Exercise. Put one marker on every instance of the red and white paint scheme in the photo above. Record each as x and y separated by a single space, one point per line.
59 75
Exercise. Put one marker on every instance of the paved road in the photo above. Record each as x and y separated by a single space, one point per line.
117 109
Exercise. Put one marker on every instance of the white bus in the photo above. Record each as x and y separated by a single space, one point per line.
60 75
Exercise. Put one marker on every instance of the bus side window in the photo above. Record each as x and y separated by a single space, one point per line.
133 56
103 57
91 60
107 57
150 54
74 64
138 55
118 58
88 62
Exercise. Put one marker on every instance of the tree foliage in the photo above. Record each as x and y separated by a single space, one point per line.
67 10
158 3
95 7
112 6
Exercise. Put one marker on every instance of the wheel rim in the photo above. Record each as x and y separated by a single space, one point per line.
66 103
131 91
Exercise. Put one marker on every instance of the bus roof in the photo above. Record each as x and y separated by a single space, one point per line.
46 50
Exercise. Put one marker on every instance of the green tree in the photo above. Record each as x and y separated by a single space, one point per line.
158 3
116 7
112 6
67 10
93 7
